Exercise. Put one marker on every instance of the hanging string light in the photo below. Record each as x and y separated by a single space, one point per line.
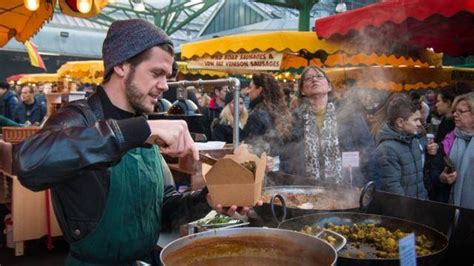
84 6
32 5
341 7
139 5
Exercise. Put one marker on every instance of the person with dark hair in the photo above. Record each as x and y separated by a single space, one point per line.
417 100
214 109
438 190
171 94
269 123
400 152
8 101
111 188
40 94
244 85
30 111
322 132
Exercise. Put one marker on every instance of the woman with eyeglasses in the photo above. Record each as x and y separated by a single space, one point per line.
437 190
459 147
321 134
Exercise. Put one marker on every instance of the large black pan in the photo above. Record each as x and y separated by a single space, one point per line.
340 199
391 223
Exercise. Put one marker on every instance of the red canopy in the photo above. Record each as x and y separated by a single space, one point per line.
445 26
15 77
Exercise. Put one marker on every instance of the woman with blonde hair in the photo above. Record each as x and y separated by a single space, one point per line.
222 128
459 146
205 99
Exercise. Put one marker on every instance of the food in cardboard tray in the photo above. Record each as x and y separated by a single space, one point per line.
251 165
230 183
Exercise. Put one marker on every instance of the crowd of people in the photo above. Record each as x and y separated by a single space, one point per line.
403 139
23 106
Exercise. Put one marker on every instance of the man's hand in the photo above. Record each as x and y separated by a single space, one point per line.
432 147
230 211
447 178
173 138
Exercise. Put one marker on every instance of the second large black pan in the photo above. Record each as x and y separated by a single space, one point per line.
348 218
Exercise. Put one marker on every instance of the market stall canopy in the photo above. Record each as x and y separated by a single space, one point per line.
90 71
283 41
400 78
19 22
445 26
14 78
198 73
35 78
282 51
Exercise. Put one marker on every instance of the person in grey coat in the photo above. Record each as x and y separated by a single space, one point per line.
400 152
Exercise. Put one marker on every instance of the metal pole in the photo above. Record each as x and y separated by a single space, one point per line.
233 83
236 136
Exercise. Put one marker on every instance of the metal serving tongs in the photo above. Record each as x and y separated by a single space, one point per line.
207 159
340 243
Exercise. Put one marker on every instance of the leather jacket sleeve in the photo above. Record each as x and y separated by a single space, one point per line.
180 208
71 141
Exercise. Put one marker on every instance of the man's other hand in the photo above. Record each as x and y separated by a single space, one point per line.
230 211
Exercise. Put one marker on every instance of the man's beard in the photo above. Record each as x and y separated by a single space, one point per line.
134 96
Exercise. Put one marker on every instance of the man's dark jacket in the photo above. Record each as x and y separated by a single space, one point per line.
10 102
72 154
35 115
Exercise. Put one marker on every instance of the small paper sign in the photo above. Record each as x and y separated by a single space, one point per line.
350 159
407 250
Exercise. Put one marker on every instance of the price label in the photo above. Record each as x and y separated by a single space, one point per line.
350 159
407 250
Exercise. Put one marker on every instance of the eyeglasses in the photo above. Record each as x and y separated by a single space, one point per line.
311 77
460 112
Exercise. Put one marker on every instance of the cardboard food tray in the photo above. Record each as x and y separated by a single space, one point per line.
230 183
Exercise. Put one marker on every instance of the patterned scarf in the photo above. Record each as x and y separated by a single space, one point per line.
322 154
462 154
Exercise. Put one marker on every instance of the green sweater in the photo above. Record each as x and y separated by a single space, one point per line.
5 122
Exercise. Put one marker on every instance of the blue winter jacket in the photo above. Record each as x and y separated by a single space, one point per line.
10 101
400 158
36 114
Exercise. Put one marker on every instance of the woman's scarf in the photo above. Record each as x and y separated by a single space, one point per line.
462 154
322 154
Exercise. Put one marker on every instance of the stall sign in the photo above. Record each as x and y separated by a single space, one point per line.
239 62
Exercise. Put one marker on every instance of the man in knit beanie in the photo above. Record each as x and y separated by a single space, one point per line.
111 189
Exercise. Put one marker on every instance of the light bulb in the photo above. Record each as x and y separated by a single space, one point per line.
341 7
32 5
84 6
139 7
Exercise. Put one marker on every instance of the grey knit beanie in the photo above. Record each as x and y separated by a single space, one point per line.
127 38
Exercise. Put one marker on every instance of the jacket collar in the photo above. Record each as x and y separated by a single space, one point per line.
390 133
255 102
